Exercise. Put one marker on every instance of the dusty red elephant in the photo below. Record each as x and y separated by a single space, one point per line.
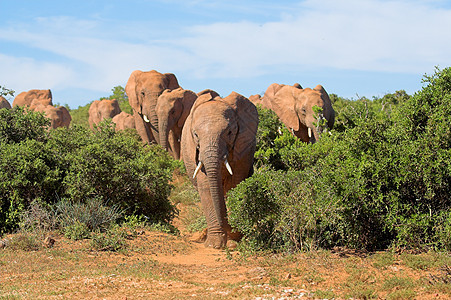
124 121
218 145
102 109
33 96
294 107
59 116
143 90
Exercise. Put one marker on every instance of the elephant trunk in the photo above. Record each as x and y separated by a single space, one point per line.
154 124
163 129
213 167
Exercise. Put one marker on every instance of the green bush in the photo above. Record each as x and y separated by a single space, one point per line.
114 239
384 175
79 165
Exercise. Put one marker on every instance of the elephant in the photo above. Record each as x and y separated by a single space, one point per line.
39 96
294 107
124 121
102 109
143 90
59 116
217 148
4 103
271 91
173 107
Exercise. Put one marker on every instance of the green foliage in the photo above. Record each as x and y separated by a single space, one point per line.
272 137
18 124
91 215
79 165
113 239
382 179
6 92
77 231
80 116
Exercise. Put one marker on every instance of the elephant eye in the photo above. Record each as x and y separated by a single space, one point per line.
143 94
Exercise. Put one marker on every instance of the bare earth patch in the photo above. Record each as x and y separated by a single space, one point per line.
161 266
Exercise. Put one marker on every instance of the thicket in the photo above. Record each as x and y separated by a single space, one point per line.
381 180
77 165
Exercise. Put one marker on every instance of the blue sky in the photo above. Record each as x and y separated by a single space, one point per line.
82 49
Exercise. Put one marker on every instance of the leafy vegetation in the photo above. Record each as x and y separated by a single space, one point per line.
383 178
78 165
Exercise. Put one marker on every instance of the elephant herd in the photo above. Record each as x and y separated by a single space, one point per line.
41 101
215 137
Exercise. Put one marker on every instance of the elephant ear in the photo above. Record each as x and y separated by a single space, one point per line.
327 103
283 105
171 81
189 97
130 90
247 125
270 93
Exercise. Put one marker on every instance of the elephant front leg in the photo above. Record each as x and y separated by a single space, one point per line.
216 235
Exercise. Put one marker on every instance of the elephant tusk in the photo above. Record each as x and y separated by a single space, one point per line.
279 131
197 169
292 131
146 119
309 132
228 167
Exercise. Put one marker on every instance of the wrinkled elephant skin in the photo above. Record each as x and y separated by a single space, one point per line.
217 147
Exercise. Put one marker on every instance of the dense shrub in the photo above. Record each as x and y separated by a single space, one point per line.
78 165
385 174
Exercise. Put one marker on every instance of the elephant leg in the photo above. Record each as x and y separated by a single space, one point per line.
216 235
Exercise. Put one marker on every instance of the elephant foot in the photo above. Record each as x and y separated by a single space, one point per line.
216 240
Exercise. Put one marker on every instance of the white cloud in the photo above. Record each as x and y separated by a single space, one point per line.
26 73
367 35
392 36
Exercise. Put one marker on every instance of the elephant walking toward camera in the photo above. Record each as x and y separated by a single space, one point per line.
295 108
143 90
217 147
173 107
102 109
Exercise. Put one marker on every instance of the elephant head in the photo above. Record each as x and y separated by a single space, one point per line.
218 145
102 109
143 90
39 96
173 107
294 107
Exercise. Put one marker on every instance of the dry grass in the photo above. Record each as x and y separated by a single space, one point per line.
157 265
